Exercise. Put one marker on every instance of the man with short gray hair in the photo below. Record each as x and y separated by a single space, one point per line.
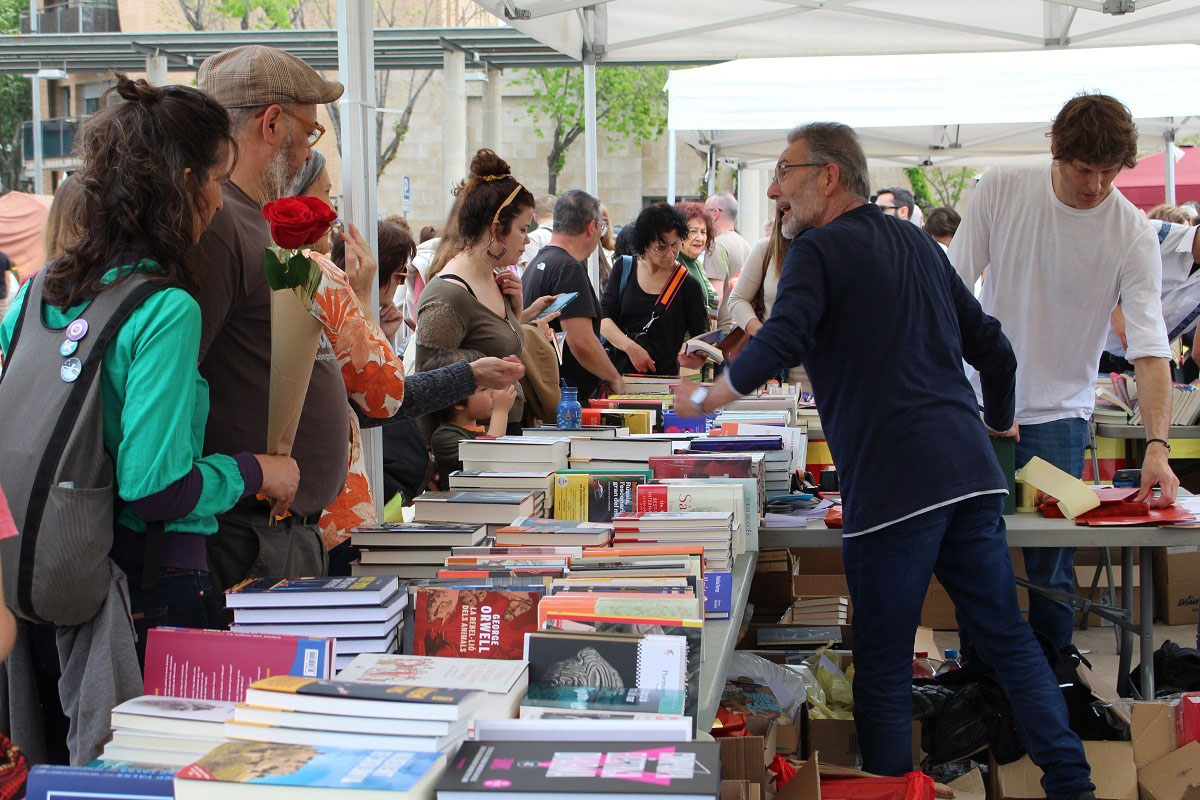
560 268
854 281
729 253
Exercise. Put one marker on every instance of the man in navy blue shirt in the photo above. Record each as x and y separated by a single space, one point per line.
922 490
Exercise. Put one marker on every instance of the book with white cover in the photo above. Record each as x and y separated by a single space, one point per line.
504 681
631 448
276 734
583 729
506 465
329 630
174 715
513 448
165 741
304 615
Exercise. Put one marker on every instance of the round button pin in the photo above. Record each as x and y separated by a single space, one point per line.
70 369
77 330
68 347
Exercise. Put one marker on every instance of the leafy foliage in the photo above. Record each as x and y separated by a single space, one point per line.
263 14
934 186
630 104
16 104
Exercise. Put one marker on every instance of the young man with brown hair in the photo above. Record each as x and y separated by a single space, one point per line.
1060 246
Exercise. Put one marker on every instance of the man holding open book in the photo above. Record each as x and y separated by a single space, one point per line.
855 281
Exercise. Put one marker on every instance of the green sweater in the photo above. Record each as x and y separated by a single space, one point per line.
696 270
155 403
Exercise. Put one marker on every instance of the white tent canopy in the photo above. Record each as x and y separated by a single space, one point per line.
977 108
720 30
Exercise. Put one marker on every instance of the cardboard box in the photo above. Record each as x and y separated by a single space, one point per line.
1152 731
837 741
1179 564
1172 776
1083 582
1113 772
820 585
742 759
735 790
1177 603
805 784
772 584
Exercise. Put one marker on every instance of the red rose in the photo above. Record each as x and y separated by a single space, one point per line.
298 221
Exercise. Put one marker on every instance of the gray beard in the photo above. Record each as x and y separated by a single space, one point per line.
279 175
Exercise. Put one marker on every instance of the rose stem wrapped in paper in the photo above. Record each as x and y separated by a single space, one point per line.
296 222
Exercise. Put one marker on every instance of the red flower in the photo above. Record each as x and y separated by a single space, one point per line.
298 221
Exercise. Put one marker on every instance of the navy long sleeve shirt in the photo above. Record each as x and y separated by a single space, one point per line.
871 307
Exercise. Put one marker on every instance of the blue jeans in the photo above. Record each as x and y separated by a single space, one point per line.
181 598
888 572
1062 443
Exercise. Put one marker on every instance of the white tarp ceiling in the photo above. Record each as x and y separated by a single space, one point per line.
977 108
721 30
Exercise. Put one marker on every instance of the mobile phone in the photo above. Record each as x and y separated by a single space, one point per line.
561 302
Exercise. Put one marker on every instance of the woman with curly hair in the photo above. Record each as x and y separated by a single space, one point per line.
698 245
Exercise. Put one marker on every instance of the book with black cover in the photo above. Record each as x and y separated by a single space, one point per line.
272 592
681 770
366 699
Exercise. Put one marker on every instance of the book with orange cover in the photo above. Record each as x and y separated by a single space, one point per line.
642 606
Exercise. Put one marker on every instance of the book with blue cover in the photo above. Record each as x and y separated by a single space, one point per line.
256 769
735 444
718 595
104 781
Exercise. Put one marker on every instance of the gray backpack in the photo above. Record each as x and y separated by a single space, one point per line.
54 469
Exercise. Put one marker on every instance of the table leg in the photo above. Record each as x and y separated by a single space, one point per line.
1146 622
1126 633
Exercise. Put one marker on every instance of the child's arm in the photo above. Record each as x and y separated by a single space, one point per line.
502 403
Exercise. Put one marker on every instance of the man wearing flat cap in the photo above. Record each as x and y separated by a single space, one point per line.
272 98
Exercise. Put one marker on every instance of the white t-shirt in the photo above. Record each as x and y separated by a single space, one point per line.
539 237
1180 286
1054 274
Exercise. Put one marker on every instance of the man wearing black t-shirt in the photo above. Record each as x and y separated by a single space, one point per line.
560 268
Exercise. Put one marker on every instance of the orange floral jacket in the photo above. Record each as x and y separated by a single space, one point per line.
374 378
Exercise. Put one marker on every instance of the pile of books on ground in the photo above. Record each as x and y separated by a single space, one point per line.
363 614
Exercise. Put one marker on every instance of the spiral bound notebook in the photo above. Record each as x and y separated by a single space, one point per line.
607 660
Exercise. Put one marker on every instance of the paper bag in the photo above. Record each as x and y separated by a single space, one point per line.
295 334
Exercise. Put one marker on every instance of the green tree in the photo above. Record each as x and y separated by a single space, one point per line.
920 188
630 104
261 14
934 186
16 104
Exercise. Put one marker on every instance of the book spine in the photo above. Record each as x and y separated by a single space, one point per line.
651 498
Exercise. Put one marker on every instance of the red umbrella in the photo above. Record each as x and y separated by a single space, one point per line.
1143 184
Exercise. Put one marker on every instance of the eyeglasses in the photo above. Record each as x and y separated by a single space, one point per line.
692 232
662 248
602 227
316 129
884 208
780 169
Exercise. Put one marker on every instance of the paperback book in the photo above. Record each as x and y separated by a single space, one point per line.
460 623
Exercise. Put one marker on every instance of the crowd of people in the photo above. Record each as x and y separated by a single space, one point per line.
156 248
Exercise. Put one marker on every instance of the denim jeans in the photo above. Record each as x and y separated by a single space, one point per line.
888 572
1062 443
181 598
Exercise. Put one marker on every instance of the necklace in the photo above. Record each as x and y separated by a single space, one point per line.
473 262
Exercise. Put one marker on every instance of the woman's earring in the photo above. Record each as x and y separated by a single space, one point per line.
495 256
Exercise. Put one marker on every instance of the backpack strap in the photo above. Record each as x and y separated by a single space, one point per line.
16 335
62 433
626 271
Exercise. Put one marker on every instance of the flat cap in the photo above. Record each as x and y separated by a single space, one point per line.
256 75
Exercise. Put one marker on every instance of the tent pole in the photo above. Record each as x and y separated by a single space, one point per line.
591 152
1169 166
671 147
39 149
356 67
711 187
454 123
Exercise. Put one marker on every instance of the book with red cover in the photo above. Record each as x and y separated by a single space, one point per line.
472 623
702 466
220 665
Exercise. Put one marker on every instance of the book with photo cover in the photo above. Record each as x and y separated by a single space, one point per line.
607 660
590 496
267 592
268 771
682 770
465 623
418 534
57 782
628 701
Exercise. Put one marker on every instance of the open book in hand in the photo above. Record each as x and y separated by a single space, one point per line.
717 346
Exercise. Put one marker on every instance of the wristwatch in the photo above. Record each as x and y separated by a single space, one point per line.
698 398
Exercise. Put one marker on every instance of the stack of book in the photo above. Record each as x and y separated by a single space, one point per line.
834 610
354 715
514 454
596 495
410 549
582 432
738 496
538 532
256 771
503 682
492 508
526 480
712 532
630 452
777 461
634 420
484 617
363 615
712 465
166 732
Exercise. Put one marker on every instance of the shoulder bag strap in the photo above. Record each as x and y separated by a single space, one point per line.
62 432
627 267
671 290
34 285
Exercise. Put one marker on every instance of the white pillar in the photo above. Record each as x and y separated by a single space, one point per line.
493 105
671 148
156 70
39 167
356 68
753 206
591 150
454 123
712 171
1169 167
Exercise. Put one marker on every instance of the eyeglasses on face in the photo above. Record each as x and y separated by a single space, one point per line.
781 169
315 129
663 247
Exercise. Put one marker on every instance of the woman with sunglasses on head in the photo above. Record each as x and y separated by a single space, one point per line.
651 305
472 298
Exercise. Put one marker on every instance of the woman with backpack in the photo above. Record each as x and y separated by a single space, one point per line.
114 305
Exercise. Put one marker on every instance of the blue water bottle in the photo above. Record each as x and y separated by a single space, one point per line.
570 413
